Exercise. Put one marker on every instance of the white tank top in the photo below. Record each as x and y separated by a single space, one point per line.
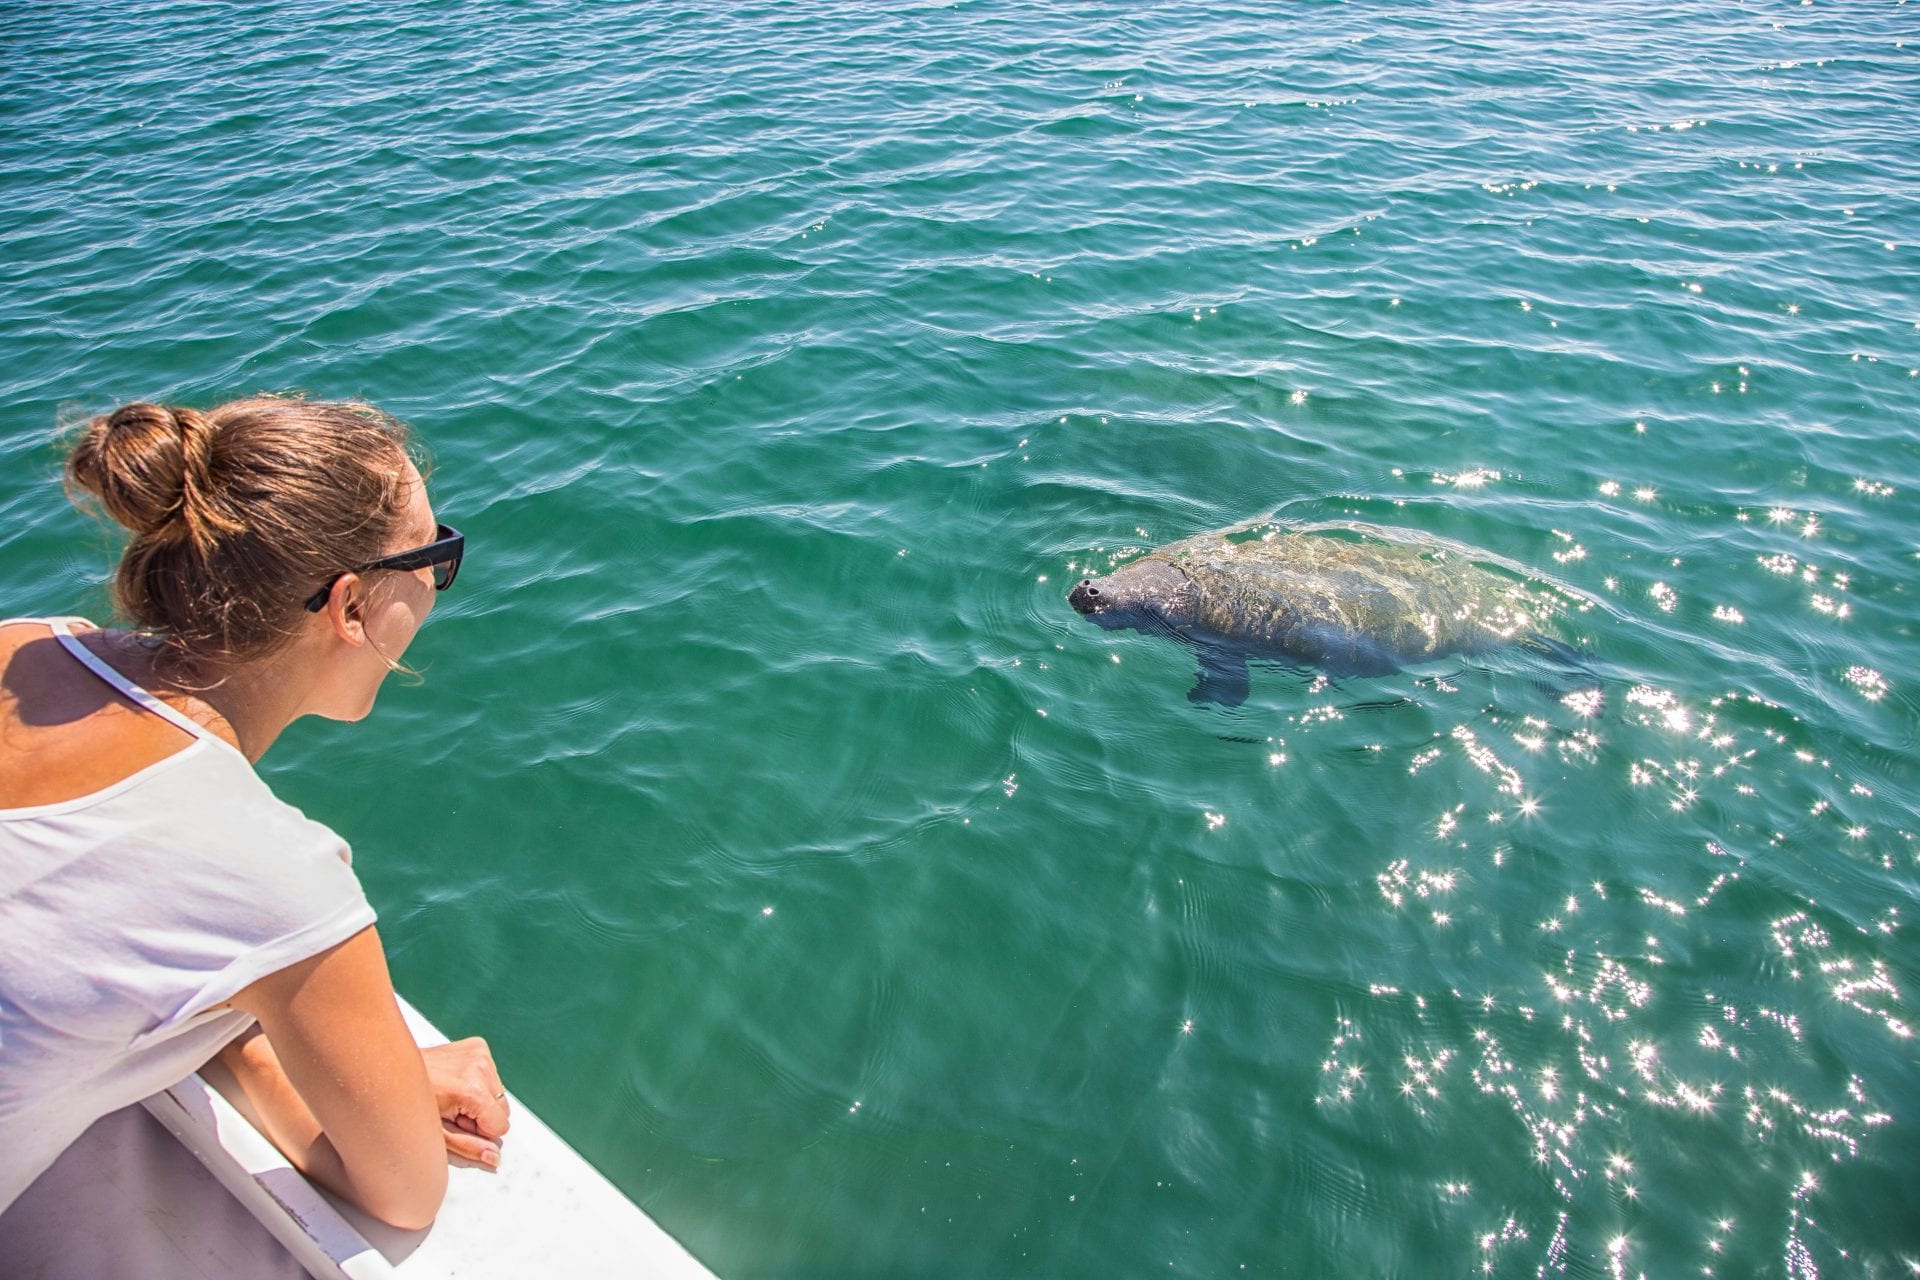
128 915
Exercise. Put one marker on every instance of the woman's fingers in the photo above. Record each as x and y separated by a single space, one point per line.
469 1145
467 1086
494 1116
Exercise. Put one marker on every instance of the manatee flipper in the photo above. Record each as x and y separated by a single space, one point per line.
1222 679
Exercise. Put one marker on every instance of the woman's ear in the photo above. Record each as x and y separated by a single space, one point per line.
344 611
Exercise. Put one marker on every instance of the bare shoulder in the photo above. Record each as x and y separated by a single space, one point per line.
64 733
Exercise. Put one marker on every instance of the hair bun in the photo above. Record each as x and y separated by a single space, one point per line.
150 465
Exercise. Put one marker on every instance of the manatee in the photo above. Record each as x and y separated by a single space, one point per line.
1349 599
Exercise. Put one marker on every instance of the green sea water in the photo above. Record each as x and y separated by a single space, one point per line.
811 867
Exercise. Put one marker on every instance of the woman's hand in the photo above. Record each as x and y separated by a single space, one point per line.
472 1101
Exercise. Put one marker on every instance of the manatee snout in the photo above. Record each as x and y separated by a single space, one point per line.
1086 598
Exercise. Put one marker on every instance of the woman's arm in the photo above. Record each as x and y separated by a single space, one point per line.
340 1085
474 1115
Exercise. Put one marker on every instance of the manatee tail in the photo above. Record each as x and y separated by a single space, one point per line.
1569 663
1557 651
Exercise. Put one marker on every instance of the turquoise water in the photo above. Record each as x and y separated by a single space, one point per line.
811 867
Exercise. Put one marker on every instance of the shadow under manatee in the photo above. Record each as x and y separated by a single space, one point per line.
1224 671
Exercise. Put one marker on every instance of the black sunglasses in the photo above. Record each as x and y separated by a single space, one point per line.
443 554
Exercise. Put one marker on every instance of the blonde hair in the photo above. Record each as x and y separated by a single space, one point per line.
238 514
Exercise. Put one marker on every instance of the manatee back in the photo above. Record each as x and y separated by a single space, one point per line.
1348 598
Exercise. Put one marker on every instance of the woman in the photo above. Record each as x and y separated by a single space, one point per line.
158 906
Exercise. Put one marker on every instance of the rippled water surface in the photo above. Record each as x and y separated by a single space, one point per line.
812 867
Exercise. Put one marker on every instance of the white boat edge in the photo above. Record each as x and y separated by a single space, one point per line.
546 1211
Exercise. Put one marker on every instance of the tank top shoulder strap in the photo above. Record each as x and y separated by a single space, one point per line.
63 632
